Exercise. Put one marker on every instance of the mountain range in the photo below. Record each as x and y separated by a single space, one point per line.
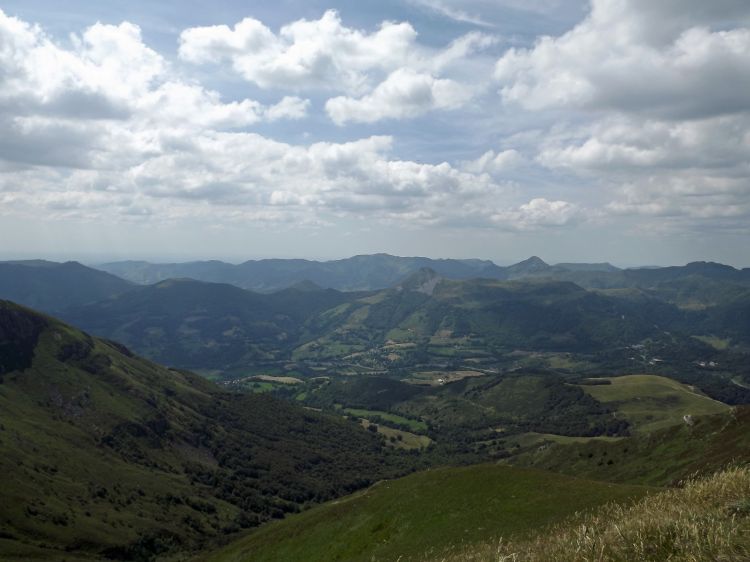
379 271
635 376
365 272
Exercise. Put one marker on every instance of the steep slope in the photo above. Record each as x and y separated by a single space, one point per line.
106 455
53 287
527 268
427 511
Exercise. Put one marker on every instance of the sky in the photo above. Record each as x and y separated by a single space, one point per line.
610 130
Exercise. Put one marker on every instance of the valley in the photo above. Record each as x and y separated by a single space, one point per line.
432 413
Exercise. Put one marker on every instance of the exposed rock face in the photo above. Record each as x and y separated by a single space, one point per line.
19 333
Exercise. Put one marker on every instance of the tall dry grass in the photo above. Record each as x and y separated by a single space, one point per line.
705 520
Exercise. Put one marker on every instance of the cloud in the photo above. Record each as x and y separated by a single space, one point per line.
88 135
493 13
290 107
405 93
682 202
494 163
107 74
456 13
306 54
371 69
67 106
539 213
635 56
662 115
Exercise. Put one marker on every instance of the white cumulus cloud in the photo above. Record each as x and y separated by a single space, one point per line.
662 119
635 56
405 93
385 73
492 162
89 134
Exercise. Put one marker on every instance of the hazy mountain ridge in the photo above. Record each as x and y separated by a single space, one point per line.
365 272
379 271
52 287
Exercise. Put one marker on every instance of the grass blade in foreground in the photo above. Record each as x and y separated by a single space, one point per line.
708 519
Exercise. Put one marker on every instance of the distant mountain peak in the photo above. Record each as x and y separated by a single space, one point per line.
534 261
423 280
534 264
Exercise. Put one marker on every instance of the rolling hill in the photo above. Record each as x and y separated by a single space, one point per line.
428 324
651 402
539 315
661 457
107 456
187 323
425 512
209 325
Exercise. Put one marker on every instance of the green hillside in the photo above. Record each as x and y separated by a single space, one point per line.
651 402
658 458
190 324
425 512
104 454
707 519
430 328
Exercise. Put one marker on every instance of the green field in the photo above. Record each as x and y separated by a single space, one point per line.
532 439
400 439
651 402
425 512
414 425
713 341
437 378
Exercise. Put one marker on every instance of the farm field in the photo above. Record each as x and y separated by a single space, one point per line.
652 402
415 425
398 438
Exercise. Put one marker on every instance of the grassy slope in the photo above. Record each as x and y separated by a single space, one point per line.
706 520
657 458
101 451
423 512
651 402
63 488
